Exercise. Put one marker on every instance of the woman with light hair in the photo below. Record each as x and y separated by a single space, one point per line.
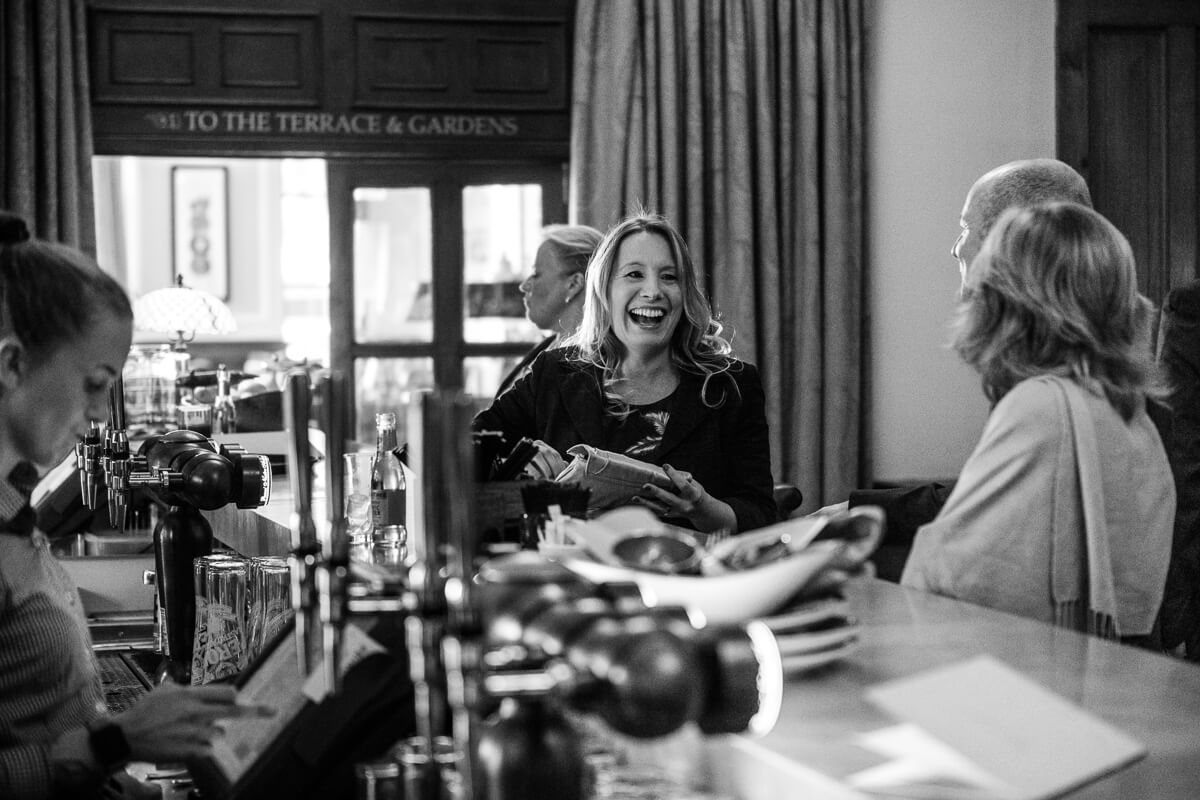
649 375
553 291
1064 510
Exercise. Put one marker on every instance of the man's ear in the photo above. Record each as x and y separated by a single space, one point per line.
12 361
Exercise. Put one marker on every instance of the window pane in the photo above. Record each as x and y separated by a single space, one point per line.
482 375
304 258
387 384
501 232
393 265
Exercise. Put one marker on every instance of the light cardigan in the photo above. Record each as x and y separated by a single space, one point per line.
1063 513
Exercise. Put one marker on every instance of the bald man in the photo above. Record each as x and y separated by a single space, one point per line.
1017 183
1025 183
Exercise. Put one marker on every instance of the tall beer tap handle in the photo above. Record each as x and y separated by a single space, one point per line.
332 405
116 403
115 458
116 474
331 399
87 461
305 547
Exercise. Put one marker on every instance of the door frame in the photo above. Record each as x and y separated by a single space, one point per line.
446 182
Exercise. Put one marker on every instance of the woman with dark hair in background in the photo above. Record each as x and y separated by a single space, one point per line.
65 330
649 375
1064 510
553 292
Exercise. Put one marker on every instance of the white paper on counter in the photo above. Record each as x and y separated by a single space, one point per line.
1025 741
923 766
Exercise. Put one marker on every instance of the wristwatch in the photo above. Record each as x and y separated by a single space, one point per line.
109 744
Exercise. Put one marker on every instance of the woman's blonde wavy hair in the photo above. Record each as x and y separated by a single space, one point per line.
697 346
1053 291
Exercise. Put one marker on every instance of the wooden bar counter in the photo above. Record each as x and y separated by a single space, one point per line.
1152 698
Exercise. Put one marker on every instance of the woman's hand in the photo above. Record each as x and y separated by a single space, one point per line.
546 464
175 723
689 501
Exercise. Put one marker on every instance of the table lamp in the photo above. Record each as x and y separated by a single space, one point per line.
182 312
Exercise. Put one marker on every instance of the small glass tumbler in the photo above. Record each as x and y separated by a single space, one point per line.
200 586
269 602
224 652
357 488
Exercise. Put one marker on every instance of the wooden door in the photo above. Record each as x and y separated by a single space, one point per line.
1126 80
425 262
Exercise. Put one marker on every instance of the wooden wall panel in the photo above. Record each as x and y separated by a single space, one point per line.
417 78
1127 142
1127 118
265 58
227 59
448 64
147 56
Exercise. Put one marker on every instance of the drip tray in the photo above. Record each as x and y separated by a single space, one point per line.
122 631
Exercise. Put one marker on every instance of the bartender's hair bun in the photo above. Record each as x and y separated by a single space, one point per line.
12 229
50 293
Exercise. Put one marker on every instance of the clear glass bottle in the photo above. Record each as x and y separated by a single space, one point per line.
224 416
390 537
136 378
162 396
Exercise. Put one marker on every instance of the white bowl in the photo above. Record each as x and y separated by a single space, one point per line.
728 598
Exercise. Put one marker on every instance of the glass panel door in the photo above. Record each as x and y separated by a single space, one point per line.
393 265
427 261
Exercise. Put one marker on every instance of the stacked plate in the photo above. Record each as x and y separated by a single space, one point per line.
814 633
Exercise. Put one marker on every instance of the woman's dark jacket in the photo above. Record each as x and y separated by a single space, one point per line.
725 448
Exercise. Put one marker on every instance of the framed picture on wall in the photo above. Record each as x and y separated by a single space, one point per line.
200 227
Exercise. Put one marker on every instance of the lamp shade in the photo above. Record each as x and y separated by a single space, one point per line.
182 311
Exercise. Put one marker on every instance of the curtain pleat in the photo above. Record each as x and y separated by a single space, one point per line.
742 121
46 157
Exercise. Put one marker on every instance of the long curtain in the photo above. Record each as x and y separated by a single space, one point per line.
46 155
742 122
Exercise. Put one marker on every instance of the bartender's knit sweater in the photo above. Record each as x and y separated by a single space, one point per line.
49 681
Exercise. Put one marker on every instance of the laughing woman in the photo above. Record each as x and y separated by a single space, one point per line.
649 375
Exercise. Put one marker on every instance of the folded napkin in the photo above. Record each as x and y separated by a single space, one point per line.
613 478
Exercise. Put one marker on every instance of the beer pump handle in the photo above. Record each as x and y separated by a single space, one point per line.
305 547
87 461
332 399
331 395
115 458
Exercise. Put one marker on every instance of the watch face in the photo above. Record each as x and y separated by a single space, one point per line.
109 745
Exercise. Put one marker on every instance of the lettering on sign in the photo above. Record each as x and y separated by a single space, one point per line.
324 123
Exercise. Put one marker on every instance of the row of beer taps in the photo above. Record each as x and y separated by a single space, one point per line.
498 650
495 654
435 598
179 466
102 459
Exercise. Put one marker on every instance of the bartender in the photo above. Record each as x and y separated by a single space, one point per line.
58 356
